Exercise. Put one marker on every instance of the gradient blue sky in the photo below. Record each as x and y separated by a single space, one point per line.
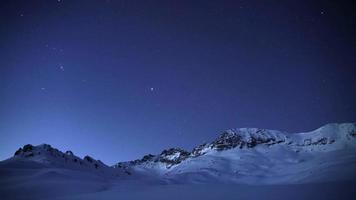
120 79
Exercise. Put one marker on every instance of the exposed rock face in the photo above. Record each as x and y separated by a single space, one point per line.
173 156
50 154
169 157
25 151
322 141
317 141
69 153
148 157
18 152
89 159
248 138
352 134
241 138
27 148
199 150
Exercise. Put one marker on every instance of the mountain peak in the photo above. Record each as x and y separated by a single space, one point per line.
242 155
47 155
248 138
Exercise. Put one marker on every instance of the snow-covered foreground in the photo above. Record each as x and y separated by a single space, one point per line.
240 164
325 191
70 184
84 189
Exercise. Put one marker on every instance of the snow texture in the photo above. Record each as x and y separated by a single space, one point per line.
245 163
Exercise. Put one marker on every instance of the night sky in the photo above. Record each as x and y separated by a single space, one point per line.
121 79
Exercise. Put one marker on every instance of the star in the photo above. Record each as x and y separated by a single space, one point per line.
61 67
151 89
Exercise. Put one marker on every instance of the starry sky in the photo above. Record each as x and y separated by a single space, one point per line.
121 79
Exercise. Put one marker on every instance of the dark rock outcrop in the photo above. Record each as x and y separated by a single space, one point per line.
317 141
27 148
89 159
69 153
173 156
248 138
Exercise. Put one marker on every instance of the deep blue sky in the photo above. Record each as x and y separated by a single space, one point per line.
120 79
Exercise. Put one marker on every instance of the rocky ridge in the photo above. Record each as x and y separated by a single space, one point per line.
244 138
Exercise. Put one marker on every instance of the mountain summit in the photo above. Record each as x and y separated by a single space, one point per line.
245 156
255 156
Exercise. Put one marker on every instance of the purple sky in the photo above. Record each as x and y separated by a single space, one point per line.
120 79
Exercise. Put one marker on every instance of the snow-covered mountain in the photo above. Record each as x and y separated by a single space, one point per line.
43 172
251 156
258 156
48 156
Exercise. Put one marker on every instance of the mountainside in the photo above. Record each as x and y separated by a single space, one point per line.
43 172
242 156
258 156
45 156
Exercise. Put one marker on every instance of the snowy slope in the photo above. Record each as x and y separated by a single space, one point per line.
247 163
36 172
45 156
259 156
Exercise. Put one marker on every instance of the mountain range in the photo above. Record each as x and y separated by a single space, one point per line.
244 156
